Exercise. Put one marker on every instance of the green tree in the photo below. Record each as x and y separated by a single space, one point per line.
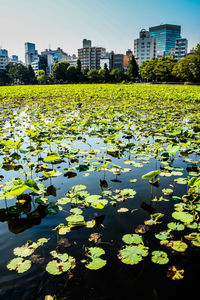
163 69
197 62
72 74
93 75
133 69
116 75
147 69
78 65
31 78
41 78
185 69
18 73
59 71
102 75
4 79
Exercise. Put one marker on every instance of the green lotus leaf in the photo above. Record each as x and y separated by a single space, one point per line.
160 257
24 251
163 235
96 202
176 226
75 220
178 246
19 264
194 181
128 193
16 191
95 262
55 267
63 257
132 239
76 211
52 173
182 216
42 241
151 174
63 201
133 254
172 149
52 157
79 187
167 192
196 242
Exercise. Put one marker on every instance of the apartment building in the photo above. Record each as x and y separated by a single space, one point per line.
181 48
90 56
145 48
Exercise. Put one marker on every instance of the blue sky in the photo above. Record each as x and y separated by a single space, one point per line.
113 24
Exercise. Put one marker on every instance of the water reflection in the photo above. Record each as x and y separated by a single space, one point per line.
21 216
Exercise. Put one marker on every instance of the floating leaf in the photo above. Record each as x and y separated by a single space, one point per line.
95 262
19 264
160 257
177 246
133 254
182 216
132 239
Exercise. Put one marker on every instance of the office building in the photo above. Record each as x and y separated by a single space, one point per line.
90 56
29 53
166 36
181 48
39 63
3 59
118 61
145 48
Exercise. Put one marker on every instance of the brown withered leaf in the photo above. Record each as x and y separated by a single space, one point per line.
95 237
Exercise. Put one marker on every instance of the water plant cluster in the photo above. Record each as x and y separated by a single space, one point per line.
142 134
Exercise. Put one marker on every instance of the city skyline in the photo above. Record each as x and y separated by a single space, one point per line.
111 25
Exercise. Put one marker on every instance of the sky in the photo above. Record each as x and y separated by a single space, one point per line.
113 24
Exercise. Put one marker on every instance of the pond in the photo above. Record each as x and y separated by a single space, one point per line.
100 197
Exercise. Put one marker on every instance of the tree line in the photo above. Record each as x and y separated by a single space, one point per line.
165 69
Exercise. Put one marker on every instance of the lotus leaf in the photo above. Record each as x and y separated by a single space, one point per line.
182 216
19 264
132 239
132 255
160 257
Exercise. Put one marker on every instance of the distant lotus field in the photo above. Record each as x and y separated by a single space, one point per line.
95 179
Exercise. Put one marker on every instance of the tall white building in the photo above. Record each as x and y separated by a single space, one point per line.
181 48
3 59
145 48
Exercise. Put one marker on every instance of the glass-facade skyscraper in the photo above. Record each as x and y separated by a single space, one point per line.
166 36
29 52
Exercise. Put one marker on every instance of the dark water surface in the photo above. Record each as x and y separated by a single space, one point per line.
115 281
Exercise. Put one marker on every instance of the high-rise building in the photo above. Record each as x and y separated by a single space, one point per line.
29 53
3 59
166 36
145 48
181 48
90 56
